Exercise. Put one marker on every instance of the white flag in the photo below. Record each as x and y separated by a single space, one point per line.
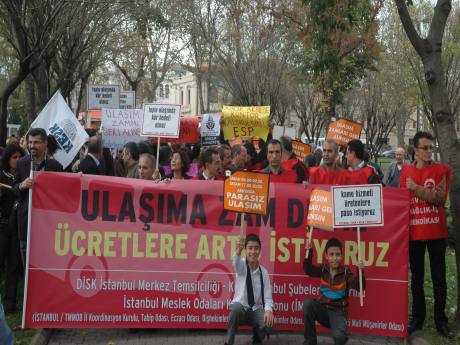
58 120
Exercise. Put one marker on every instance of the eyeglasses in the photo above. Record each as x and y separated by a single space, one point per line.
426 148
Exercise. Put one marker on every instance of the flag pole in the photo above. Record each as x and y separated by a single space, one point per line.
361 302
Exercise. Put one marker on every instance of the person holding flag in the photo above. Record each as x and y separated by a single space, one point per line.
36 160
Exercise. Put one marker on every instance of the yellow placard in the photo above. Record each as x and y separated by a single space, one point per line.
245 122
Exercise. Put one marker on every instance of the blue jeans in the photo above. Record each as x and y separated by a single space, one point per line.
6 336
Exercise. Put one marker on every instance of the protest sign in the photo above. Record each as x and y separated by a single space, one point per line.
103 96
246 122
358 205
280 131
247 192
58 120
120 126
210 130
320 210
161 120
343 130
128 253
300 149
188 132
127 99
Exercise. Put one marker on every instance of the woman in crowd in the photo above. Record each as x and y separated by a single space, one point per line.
9 242
179 166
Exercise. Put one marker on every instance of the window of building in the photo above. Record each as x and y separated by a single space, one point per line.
181 96
167 91
161 91
189 93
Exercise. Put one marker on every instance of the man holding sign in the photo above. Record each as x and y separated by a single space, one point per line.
330 310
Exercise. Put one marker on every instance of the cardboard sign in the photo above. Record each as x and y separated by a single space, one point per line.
128 100
210 130
320 210
357 205
300 149
103 96
247 192
161 120
343 130
246 122
280 131
188 133
120 126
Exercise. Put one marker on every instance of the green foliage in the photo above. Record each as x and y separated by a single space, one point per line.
342 44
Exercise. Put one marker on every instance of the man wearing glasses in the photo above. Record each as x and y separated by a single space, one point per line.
428 183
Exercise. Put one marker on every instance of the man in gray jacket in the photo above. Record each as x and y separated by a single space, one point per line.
393 172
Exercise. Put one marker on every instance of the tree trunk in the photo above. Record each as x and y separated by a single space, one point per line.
4 96
30 99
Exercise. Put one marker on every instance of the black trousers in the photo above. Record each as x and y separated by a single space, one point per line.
10 265
437 254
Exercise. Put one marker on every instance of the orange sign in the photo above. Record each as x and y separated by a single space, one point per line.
320 210
247 192
300 149
343 130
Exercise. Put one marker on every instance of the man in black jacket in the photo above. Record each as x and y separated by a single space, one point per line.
91 164
38 161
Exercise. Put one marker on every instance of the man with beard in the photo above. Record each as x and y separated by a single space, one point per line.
37 161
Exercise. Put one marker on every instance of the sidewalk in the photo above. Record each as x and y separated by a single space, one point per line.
192 337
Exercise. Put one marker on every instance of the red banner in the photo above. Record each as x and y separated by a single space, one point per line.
115 252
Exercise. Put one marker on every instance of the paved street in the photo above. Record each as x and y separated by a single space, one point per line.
189 337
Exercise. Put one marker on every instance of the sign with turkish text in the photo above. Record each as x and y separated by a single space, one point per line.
210 130
128 253
247 192
161 120
319 213
358 205
246 121
103 96
127 99
300 149
120 126
343 130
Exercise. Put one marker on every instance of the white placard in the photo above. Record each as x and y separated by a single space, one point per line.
161 120
120 126
279 131
357 205
127 99
210 129
103 96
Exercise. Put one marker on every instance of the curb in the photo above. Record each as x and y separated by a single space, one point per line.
42 337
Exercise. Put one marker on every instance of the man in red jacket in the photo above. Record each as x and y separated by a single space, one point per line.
429 186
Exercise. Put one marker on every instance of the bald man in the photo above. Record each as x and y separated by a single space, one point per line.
394 169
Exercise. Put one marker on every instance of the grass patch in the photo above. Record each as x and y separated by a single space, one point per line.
21 337
429 329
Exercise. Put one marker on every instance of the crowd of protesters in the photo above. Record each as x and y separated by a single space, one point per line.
184 161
